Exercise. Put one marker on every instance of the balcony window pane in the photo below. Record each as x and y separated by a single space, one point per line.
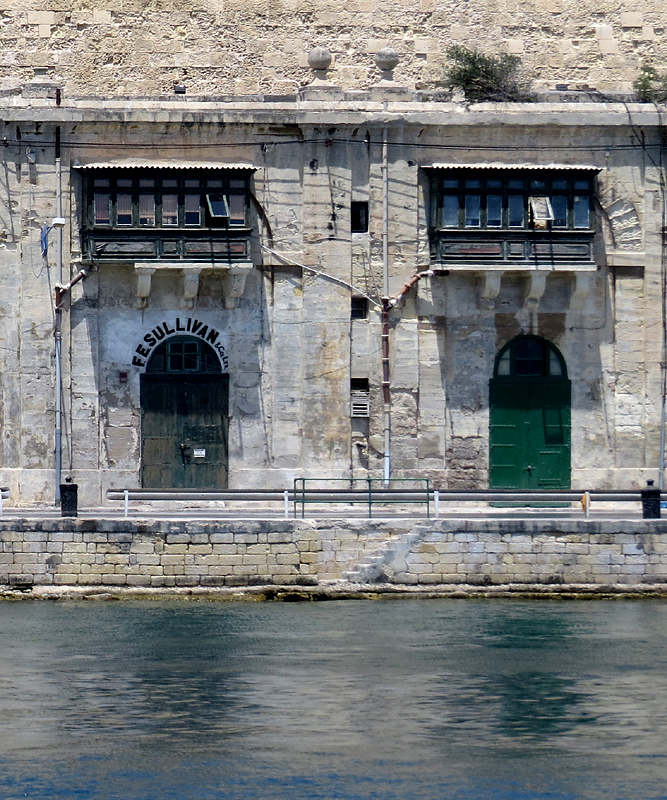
192 210
583 184
554 364
170 209
516 211
559 206
473 184
494 184
494 211
450 183
473 207
236 209
450 211
124 183
146 183
147 209
237 184
538 184
515 184
582 212
169 183
102 213
124 209
190 183
559 184
214 183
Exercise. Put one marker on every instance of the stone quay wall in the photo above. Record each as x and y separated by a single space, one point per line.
193 553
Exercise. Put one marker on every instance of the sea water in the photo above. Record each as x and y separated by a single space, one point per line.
382 700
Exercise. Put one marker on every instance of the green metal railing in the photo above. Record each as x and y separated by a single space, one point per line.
375 491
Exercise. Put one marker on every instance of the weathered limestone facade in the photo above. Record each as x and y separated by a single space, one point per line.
137 48
107 553
277 314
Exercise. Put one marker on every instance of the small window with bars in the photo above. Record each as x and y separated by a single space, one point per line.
360 398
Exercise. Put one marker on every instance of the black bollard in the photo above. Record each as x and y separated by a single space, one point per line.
69 498
650 501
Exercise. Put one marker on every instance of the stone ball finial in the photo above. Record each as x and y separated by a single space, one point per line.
319 59
386 59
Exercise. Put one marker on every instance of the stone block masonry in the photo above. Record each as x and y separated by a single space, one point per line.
216 48
199 553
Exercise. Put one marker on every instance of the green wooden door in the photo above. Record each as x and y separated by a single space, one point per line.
529 433
184 431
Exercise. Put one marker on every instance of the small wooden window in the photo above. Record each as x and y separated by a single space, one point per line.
360 398
359 308
359 216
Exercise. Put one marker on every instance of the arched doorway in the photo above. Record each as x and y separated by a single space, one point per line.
184 417
529 411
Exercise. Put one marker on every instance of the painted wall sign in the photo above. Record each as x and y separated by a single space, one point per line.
190 325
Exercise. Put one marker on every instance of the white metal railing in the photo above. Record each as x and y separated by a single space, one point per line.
290 497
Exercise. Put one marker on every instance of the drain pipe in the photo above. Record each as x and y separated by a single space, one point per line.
386 394
57 333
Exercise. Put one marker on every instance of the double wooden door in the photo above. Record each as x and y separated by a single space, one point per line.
529 433
184 431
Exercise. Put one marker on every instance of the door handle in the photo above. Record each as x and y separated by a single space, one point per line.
528 469
185 453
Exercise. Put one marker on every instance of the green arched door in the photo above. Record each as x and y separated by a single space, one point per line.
529 410
185 420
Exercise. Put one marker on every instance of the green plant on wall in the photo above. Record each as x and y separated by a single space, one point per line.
485 78
650 86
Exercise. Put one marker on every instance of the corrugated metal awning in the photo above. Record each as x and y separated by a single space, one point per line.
500 165
150 163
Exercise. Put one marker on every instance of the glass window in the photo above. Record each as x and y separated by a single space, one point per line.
124 209
237 209
582 212
516 212
494 211
559 206
555 367
192 209
529 357
170 209
473 209
504 363
102 209
217 205
147 209
137 198
503 200
450 211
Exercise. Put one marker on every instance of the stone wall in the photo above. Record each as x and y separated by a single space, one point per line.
308 552
137 48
